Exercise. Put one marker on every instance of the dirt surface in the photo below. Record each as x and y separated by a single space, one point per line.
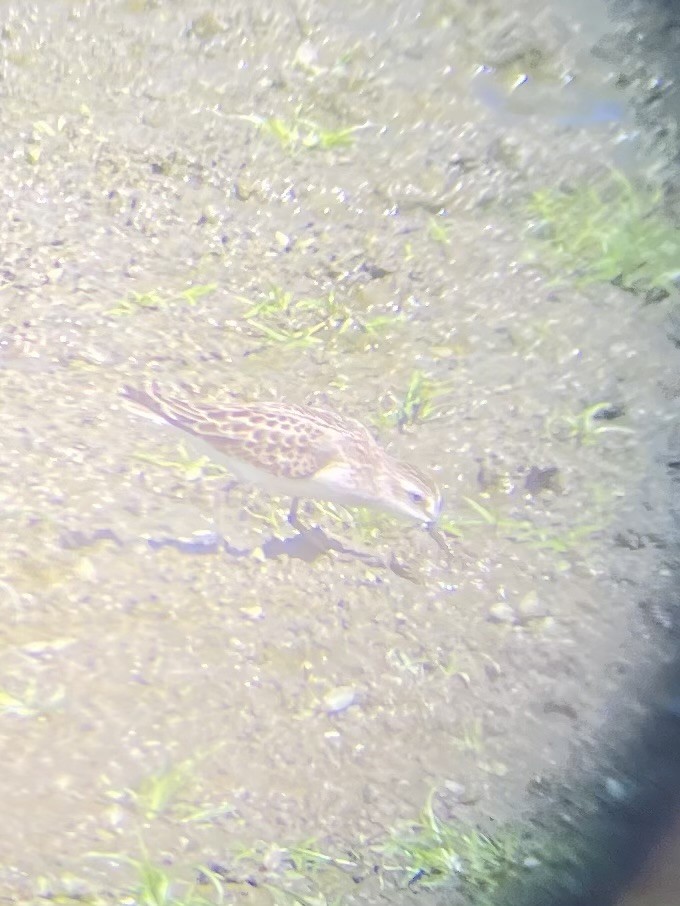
166 700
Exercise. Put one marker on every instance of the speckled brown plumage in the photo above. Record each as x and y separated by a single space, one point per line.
301 451
260 431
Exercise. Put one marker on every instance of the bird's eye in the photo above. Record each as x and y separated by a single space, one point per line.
416 497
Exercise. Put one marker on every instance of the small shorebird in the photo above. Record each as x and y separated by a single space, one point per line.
298 451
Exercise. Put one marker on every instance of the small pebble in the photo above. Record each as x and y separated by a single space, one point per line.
284 241
339 699
531 608
307 55
460 794
274 858
86 570
457 790
496 768
502 613
615 789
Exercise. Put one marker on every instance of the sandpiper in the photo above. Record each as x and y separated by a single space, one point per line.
298 451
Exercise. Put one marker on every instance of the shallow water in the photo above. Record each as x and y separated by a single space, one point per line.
166 700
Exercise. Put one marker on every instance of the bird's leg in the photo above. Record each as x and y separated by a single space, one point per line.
293 516
219 500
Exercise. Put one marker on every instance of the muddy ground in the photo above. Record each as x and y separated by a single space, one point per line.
182 200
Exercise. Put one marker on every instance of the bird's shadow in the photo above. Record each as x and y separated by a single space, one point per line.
308 544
